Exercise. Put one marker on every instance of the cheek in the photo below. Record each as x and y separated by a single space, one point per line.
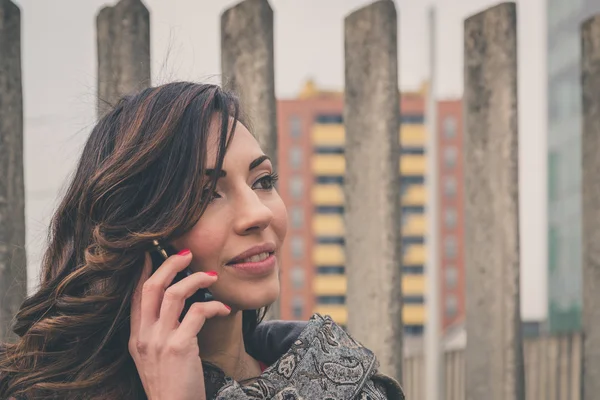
280 218
206 241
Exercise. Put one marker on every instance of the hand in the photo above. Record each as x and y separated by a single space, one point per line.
165 351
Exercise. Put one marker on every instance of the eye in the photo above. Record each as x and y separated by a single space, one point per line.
266 182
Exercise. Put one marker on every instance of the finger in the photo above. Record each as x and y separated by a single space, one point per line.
175 296
196 317
136 300
154 288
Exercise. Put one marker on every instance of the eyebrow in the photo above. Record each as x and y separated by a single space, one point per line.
253 164
258 161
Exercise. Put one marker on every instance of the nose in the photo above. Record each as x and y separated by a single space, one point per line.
253 215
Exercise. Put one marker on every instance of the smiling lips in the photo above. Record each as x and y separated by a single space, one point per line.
257 260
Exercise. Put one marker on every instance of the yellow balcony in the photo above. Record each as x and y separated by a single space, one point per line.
328 135
413 314
412 135
416 195
412 164
328 255
328 164
414 255
337 312
329 285
413 285
328 225
415 226
328 195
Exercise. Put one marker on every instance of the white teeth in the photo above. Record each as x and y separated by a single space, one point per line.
256 258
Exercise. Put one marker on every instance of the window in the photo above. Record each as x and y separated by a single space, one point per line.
295 126
297 306
554 241
297 217
297 246
411 240
413 150
329 119
413 300
331 240
413 330
449 186
412 119
329 209
412 179
451 306
451 276
449 127
450 156
450 218
295 157
326 180
329 150
413 270
553 176
296 187
331 299
331 270
412 210
297 277
450 247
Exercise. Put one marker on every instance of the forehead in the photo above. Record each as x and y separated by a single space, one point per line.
243 146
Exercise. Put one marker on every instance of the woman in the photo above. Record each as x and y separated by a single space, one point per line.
173 199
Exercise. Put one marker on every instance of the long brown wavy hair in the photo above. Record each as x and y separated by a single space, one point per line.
140 178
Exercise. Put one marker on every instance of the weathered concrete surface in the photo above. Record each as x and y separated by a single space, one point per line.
372 186
247 65
494 354
590 79
13 267
123 51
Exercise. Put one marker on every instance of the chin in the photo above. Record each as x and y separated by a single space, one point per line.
252 296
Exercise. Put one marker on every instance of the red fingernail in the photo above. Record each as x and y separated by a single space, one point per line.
184 252
212 273
227 307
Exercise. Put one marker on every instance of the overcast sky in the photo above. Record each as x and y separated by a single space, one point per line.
59 70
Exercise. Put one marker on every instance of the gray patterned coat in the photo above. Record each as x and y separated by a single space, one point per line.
323 363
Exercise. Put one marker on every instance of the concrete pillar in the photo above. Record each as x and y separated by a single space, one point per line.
372 184
248 69
494 353
13 266
247 66
123 51
590 83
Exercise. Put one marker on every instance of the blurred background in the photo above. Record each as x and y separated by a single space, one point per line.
59 83
59 89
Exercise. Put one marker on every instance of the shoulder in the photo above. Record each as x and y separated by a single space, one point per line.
343 359
323 361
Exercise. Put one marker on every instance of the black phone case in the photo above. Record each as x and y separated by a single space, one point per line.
201 296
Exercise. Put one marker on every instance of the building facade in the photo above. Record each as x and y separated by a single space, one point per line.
311 165
451 212
564 161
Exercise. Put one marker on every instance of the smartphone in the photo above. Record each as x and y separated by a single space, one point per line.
159 255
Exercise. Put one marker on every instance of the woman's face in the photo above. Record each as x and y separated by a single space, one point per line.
241 232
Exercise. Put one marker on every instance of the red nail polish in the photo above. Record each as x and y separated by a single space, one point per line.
211 273
227 307
184 252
